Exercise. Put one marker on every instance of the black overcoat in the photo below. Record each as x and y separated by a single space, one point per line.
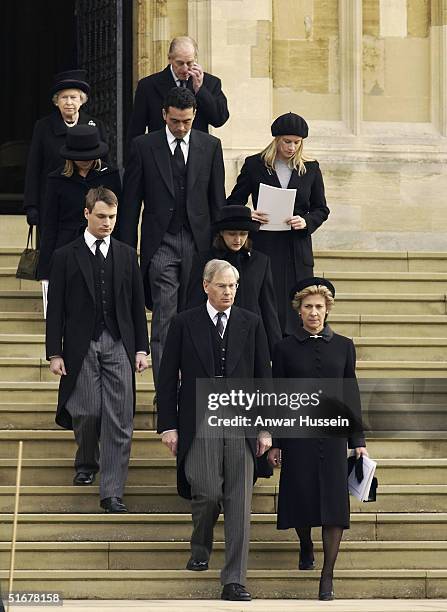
148 177
188 350
255 291
43 157
71 310
64 217
290 251
313 486
149 98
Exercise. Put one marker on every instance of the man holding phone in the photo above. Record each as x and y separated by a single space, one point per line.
183 71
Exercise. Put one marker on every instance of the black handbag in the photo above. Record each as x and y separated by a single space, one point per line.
29 259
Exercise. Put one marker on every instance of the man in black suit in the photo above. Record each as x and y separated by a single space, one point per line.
215 339
179 173
183 71
96 336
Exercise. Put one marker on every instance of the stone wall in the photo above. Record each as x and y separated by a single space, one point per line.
370 76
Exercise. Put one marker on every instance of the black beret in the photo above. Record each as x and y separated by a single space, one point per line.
308 282
290 124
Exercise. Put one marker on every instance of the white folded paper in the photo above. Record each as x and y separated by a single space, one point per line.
360 490
278 204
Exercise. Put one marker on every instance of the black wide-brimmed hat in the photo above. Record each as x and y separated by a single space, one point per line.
235 217
82 143
308 282
70 79
290 124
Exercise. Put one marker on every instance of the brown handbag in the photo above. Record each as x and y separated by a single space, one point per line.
29 259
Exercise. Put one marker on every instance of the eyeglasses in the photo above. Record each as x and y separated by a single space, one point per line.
223 287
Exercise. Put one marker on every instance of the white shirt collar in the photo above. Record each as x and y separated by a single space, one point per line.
171 138
213 312
90 239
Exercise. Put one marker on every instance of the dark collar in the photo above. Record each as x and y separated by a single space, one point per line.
326 334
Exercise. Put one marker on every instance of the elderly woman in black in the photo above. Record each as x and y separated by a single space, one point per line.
232 243
283 164
313 488
69 92
67 187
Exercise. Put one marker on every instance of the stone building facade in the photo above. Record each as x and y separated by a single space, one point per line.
370 77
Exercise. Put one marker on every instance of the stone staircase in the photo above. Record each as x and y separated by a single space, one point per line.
394 305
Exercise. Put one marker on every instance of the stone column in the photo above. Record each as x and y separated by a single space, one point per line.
438 48
351 89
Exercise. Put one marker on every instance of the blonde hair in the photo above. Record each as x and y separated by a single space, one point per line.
69 167
313 290
82 95
295 163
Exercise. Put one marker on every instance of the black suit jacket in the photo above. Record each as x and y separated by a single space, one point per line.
71 310
148 177
149 98
188 349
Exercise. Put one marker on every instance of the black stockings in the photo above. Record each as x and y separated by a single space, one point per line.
331 543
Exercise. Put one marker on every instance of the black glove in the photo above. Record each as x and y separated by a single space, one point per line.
32 216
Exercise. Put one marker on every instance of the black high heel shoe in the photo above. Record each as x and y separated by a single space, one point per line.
328 593
306 559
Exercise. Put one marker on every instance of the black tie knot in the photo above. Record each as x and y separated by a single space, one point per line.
182 83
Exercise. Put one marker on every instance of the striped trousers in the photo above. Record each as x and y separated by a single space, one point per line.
101 407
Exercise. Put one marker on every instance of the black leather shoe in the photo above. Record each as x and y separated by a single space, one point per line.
328 593
113 504
197 566
306 560
84 478
235 592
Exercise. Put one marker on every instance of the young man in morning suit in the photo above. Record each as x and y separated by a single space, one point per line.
179 173
215 339
96 336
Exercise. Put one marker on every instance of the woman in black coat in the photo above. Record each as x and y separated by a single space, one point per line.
313 488
69 92
232 243
64 217
283 164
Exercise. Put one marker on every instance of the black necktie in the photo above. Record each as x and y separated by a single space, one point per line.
178 155
98 253
219 324
182 83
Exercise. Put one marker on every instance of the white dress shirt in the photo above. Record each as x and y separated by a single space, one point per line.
90 242
175 77
184 145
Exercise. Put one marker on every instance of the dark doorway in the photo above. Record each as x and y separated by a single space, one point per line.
39 39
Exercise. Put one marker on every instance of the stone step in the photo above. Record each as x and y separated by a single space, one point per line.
384 304
21 301
19 328
41 416
152 499
148 472
368 348
383 282
161 498
46 392
147 444
263 555
401 369
378 261
160 527
376 416
263 584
